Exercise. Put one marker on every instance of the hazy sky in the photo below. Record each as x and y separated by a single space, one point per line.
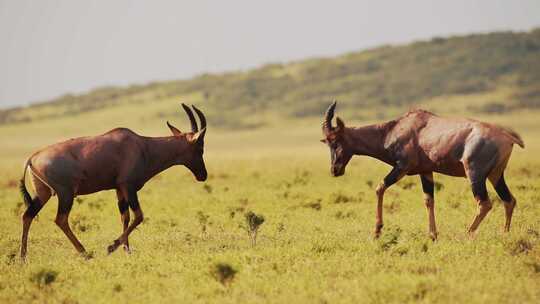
49 48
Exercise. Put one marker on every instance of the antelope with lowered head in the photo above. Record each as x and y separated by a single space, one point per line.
119 159
420 143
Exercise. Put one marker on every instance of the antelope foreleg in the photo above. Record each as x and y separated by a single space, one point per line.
123 207
395 175
123 239
428 187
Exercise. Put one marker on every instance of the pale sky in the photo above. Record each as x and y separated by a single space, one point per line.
52 47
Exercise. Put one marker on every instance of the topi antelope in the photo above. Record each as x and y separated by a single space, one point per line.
118 159
420 142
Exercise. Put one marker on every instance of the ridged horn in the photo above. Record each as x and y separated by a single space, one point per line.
201 116
192 120
327 123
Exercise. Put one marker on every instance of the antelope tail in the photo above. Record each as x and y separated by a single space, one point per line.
22 186
514 136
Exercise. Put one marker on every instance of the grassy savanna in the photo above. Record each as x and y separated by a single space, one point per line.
315 244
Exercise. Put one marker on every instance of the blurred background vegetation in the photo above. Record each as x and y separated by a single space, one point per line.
492 73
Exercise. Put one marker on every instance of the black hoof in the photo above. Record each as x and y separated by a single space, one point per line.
110 249
87 255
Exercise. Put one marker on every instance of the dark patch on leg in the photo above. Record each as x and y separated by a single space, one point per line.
123 206
33 208
479 189
427 185
392 177
503 191
134 204
133 200
64 206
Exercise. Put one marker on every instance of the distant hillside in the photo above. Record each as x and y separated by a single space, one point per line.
505 65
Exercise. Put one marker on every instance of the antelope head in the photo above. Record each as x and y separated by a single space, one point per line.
192 155
334 137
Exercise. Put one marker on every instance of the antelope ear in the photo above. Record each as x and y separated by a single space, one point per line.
340 124
174 130
199 136
324 141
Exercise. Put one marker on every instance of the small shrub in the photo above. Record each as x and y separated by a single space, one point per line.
80 223
315 205
10 258
389 239
203 221
233 211
392 207
281 227
340 215
253 221
533 232
207 188
340 198
44 277
455 204
420 292
323 248
519 247
301 178
407 185
117 288
400 250
94 204
223 273
438 186
424 248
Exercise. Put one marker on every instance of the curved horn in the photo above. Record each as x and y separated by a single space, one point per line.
201 117
327 123
192 120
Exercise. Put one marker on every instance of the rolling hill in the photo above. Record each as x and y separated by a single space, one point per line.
486 73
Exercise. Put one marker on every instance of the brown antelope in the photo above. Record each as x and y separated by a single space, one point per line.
421 142
118 159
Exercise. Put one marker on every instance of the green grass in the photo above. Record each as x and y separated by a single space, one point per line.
315 244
